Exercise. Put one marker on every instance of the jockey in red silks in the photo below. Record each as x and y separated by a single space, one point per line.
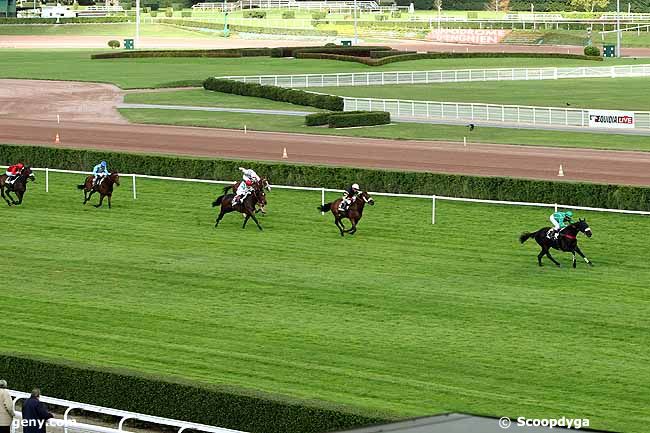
13 172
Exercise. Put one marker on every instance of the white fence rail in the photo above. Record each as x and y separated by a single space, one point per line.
323 191
68 423
443 76
467 111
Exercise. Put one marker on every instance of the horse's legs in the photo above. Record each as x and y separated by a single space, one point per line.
548 254
574 259
109 200
245 220
20 195
256 221
101 200
339 225
353 229
13 201
216 223
90 194
587 261
2 192
540 255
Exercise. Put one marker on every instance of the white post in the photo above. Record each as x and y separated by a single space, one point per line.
137 24
356 34
618 28
322 199
135 196
433 209
555 207
47 179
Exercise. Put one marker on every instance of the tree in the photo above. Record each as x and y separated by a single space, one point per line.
589 5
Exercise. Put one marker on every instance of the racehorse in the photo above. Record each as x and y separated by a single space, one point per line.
262 184
18 187
567 241
354 212
105 188
246 207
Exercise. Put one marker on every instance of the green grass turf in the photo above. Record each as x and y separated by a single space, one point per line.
402 130
618 93
404 317
117 30
154 72
205 98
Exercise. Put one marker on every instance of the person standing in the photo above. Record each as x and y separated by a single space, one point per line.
35 414
6 408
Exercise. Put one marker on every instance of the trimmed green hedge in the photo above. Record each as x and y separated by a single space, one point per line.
114 19
421 56
294 96
357 51
592 50
233 52
367 118
494 188
239 409
218 27
348 119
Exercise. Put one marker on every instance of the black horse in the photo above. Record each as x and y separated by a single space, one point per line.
567 241
18 187
246 207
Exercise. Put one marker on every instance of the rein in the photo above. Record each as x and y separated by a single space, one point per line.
569 236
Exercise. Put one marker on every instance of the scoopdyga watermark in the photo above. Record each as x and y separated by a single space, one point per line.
563 422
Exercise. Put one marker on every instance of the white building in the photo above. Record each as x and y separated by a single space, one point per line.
57 11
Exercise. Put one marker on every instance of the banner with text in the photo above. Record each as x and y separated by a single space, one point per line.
467 36
611 119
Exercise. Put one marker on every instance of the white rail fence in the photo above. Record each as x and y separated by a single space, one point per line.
69 424
468 111
443 76
432 198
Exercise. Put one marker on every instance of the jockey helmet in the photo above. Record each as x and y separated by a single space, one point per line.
103 163
249 182
355 186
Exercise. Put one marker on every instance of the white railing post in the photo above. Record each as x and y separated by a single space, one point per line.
135 196
47 179
322 199
433 209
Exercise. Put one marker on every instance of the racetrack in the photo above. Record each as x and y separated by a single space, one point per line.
29 117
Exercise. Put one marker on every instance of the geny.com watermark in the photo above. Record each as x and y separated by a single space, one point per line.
40 423
570 423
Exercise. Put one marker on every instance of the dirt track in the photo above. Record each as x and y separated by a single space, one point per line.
30 118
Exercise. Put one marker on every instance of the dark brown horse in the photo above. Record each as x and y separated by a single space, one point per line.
246 207
262 184
104 188
354 212
567 241
18 187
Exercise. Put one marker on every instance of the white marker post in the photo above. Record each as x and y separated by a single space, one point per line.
47 179
322 199
433 209
135 196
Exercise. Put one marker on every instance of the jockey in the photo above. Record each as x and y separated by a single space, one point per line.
100 171
560 220
13 172
243 190
349 195
249 175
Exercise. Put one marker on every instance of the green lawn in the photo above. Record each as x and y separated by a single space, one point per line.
153 72
116 29
412 131
620 93
205 98
404 317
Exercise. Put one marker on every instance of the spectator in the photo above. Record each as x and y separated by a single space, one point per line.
35 414
6 408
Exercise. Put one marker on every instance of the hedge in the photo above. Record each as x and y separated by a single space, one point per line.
329 49
255 14
113 19
348 119
249 29
232 52
388 53
494 188
591 50
368 118
233 408
421 56
294 96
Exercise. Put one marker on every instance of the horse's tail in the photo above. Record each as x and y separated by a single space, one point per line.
226 189
525 236
218 201
325 208
82 186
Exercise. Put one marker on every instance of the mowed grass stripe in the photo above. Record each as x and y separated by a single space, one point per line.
404 317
